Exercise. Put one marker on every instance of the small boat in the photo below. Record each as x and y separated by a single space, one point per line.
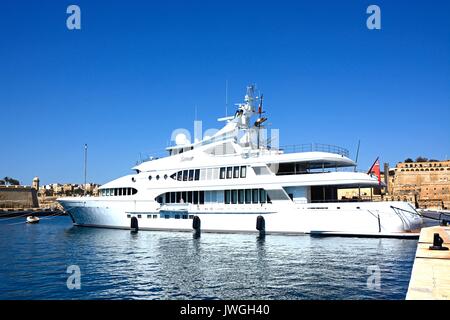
32 219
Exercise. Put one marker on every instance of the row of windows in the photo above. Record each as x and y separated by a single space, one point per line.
426 169
233 172
414 165
238 196
194 197
117 192
187 175
165 216
246 196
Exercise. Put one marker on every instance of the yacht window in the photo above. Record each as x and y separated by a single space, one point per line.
119 192
189 197
255 195
195 197
157 177
227 196
165 176
236 172
183 197
139 216
191 175
185 175
178 197
185 216
248 195
116 192
133 191
149 216
155 216
177 216
172 197
241 195
159 200
166 216
222 173
229 172
173 176
262 195
179 175
201 197
197 174
167 196
149 177
243 171
233 196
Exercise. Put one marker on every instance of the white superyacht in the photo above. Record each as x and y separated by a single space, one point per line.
234 181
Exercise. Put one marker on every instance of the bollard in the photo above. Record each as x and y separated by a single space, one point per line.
437 243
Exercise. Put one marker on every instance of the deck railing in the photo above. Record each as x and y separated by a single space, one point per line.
309 147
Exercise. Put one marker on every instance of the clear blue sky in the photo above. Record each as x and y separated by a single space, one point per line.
137 69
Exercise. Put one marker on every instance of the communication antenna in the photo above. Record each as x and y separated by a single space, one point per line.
357 154
226 98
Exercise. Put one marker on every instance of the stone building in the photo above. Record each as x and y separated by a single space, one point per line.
425 183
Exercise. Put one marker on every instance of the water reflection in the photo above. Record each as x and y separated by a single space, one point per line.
117 264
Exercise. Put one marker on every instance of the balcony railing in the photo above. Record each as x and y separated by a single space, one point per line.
320 147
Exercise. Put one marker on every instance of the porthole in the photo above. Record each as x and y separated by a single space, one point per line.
149 177
165 176
157 177
133 179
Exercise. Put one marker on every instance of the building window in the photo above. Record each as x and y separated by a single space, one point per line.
243 171
236 172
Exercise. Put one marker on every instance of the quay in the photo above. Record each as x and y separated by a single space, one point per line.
430 277
38 212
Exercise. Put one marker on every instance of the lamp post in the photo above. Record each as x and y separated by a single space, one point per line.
85 168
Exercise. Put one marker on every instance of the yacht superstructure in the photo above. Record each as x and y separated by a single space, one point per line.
235 181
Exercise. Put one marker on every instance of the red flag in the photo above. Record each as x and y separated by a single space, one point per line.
375 168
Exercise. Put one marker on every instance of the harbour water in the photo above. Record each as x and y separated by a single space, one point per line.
118 264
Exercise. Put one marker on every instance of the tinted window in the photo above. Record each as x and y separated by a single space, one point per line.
197 174
229 172
248 196
222 173
233 196
241 196
227 196
191 175
243 172
255 195
202 197
185 175
236 172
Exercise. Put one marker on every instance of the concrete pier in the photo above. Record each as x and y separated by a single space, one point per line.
430 277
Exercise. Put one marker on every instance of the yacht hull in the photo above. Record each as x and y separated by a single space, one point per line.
358 218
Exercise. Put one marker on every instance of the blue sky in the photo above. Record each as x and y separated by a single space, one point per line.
137 70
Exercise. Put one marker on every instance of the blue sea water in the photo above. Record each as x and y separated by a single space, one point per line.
118 264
